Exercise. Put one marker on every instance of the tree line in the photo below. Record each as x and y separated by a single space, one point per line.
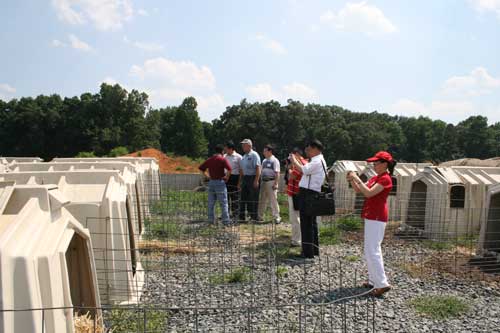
50 126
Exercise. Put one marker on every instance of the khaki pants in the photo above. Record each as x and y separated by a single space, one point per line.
269 195
294 222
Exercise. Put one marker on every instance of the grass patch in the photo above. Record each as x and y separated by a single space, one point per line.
329 235
162 229
132 320
352 258
349 223
438 245
281 271
440 307
237 275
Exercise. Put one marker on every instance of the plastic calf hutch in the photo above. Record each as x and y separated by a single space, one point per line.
127 171
46 261
22 159
98 200
149 165
489 238
345 197
449 202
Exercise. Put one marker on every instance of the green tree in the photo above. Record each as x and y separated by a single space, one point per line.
188 139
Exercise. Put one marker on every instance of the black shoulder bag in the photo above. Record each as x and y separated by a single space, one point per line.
320 203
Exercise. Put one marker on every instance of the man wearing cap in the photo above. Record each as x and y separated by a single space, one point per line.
233 183
375 215
250 174
270 176
218 172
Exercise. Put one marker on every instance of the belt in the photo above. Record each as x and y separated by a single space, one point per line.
265 179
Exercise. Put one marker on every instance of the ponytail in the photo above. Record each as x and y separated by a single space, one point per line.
391 166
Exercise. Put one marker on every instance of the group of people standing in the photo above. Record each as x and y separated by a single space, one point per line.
250 185
245 185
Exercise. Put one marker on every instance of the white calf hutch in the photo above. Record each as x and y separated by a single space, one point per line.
98 200
127 171
489 237
148 175
450 201
46 261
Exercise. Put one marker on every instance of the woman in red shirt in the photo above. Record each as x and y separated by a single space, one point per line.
375 214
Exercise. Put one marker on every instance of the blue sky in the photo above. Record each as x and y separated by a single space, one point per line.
433 58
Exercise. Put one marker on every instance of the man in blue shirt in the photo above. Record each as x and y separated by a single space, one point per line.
250 167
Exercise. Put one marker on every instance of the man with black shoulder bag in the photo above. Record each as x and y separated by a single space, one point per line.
315 199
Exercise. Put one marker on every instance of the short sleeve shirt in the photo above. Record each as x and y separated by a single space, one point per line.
217 166
249 163
313 174
375 208
234 161
270 167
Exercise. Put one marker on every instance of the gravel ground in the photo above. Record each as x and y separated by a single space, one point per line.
298 296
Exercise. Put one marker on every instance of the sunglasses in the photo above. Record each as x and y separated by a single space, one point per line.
379 161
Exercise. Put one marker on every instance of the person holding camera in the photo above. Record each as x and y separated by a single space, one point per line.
375 214
313 177
293 178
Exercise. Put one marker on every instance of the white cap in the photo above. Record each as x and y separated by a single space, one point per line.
247 141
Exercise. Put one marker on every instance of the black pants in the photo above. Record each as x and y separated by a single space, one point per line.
233 195
308 228
249 198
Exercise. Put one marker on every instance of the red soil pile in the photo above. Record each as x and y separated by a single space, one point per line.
168 164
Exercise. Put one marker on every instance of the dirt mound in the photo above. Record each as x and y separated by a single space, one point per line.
168 164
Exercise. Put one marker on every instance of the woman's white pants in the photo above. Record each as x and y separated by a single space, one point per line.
374 235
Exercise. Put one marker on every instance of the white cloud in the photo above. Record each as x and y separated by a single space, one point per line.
142 12
458 98
487 6
299 91
58 43
271 44
145 46
184 74
109 80
408 107
78 44
103 14
168 82
6 91
478 82
450 111
66 13
359 17
264 92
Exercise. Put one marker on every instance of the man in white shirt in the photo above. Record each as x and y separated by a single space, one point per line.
233 183
269 177
313 177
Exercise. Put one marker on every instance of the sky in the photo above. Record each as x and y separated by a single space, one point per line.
439 59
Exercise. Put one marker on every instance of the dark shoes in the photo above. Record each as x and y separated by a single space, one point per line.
367 285
377 292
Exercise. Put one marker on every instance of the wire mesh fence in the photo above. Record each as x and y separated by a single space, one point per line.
166 267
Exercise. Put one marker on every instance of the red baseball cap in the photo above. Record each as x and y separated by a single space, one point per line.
381 155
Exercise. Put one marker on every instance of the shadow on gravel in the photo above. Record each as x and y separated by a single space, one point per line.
341 295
